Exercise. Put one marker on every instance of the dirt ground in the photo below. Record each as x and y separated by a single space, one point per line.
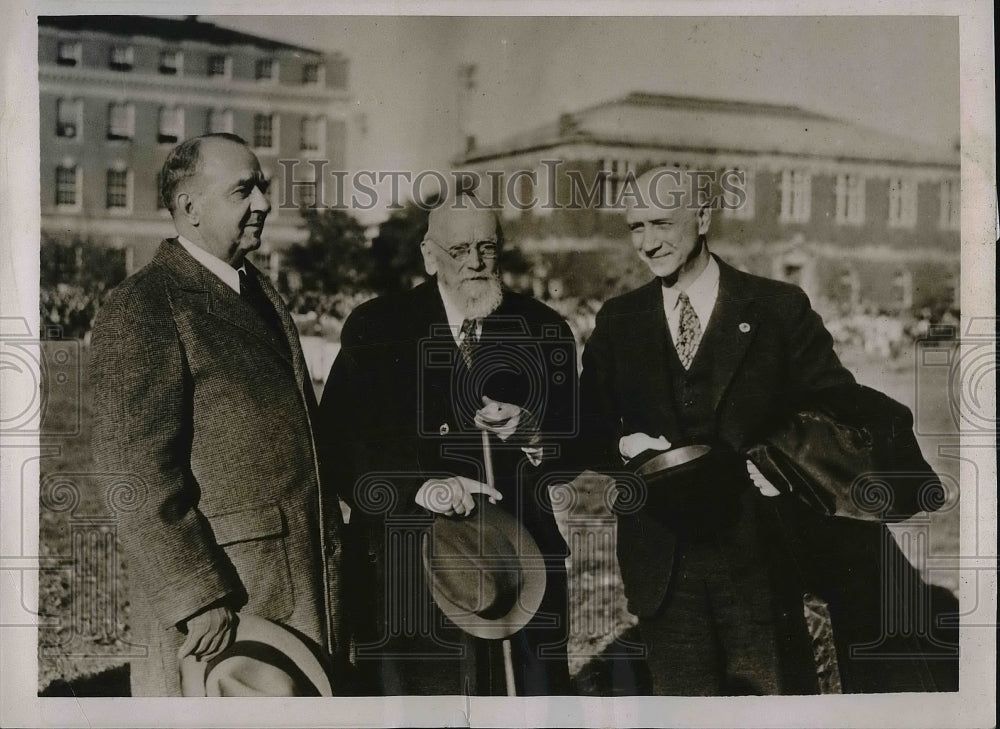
84 640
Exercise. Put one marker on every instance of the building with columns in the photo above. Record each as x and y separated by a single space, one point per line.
855 216
118 92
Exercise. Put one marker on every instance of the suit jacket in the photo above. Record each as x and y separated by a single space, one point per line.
773 347
398 408
202 405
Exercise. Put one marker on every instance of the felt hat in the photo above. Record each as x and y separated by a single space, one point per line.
485 571
264 659
691 488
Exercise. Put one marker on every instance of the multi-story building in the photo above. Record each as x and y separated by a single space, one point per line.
853 215
118 92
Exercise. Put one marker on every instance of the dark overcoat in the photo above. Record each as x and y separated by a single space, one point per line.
398 408
770 349
200 405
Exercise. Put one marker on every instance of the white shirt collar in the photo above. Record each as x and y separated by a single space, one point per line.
455 316
229 275
702 292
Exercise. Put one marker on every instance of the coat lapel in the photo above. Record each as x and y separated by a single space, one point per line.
733 326
202 289
649 339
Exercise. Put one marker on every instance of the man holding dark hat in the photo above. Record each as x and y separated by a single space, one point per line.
701 359
455 401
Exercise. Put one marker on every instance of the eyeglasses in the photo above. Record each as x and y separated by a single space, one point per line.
486 249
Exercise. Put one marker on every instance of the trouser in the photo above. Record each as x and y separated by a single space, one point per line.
707 640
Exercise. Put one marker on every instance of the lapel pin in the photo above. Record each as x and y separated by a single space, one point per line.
744 327
444 429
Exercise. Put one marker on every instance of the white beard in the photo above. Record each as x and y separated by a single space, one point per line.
477 299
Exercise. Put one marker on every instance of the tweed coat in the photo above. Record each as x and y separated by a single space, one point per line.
198 402
398 412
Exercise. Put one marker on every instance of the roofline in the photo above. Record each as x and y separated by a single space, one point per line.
645 98
51 20
477 159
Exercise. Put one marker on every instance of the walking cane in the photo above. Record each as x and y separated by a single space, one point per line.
508 661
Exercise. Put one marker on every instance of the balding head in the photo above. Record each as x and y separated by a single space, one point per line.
462 247
671 189
668 219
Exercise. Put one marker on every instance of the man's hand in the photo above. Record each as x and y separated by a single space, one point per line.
760 481
632 445
502 418
451 496
209 633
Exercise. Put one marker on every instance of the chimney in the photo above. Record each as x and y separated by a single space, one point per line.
567 124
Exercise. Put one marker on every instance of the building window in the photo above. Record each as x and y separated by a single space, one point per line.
265 132
171 63
796 194
738 193
616 171
171 125
119 190
951 205
122 58
902 202
850 199
266 69
220 120
312 74
68 179
69 118
121 121
313 133
68 53
220 66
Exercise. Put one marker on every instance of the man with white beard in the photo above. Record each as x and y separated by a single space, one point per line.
421 376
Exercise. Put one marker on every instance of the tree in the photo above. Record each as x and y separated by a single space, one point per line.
396 250
335 256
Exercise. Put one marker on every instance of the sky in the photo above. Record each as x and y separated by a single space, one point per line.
896 74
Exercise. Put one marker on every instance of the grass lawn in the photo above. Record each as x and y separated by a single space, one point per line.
83 583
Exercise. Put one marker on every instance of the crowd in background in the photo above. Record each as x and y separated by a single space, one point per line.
68 310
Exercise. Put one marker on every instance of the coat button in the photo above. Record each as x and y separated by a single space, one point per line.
444 429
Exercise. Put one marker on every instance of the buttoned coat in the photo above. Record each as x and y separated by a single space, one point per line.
768 346
201 406
398 406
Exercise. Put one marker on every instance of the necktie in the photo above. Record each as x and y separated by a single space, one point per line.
688 331
253 294
467 340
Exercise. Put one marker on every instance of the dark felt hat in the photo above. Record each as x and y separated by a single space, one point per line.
691 487
485 571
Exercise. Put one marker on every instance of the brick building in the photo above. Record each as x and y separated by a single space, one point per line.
857 217
118 92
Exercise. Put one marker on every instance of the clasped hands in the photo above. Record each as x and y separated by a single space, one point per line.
632 445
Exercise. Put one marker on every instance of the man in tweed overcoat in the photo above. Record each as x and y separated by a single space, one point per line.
203 399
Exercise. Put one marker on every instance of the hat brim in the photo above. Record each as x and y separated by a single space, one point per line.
533 578
261 630
652 465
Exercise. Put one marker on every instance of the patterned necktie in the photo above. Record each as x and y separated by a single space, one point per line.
467 340
688 331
